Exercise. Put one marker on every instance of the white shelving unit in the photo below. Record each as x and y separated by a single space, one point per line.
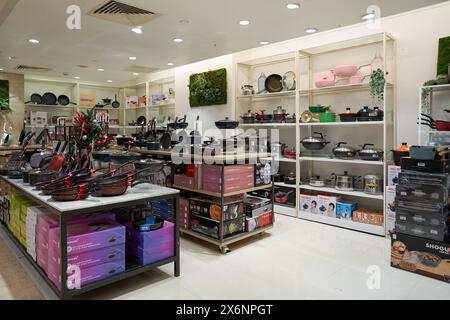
306 64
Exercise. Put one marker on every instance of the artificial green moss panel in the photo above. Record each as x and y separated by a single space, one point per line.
4 94
443 56
208 88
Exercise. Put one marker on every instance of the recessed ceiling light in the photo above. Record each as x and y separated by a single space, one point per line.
170 64
264 42
132 58
12 58
135 74
78 78
33 41
293 6
178 40
311 30
137 30
368 16
100 69
1 69
109 81
244 22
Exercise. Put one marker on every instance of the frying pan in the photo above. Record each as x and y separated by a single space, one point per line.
141 121
115 104
166 139
150 135
439 125
274 83
64 100
58 161
36 98
282 197
49 99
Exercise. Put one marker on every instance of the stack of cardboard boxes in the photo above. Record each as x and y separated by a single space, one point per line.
420 243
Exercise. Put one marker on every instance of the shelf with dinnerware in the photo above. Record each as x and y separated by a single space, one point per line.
343 172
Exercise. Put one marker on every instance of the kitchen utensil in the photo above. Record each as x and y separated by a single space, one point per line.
439 125
368 114
370 153
318 109
290 153
279 115
282 197
327 117
289 82
247 90
290 179
357 79
166 139
150 164
345 182
58 160
423 153
402 152
343 151
121 157
325 79
49 99
314 142
316 182
35 98
262 83
274 83
278 177
348 116
227 124
107 101
115 104
308 116
346 71
373 184
249 117
141 121
64 100
15 175
263 117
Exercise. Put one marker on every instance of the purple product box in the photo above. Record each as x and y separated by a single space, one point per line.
89 275
89 236
150 239
90 258
151 255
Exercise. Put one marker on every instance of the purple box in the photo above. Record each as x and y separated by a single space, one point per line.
89 275
90 258
151 255
150 239
89 236
42 259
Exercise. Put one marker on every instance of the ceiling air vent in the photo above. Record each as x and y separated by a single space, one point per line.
119 12
24 68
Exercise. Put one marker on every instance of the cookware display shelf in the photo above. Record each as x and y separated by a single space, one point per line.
433 102
136 196
307 63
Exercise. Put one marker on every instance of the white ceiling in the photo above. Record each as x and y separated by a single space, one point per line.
213 30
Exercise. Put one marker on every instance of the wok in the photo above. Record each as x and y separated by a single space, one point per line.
227 124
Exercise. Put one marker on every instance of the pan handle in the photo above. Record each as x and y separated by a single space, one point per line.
427 116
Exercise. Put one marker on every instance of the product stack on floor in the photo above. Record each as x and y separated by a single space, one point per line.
421 242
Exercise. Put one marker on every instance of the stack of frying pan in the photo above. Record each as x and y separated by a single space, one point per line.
50 99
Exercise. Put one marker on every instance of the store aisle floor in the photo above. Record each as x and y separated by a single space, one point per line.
296 260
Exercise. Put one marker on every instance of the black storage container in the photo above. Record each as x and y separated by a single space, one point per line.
429 166
212 228
422 193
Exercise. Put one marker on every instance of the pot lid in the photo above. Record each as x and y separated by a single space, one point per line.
249 114
291 175
403 148
227 120
372 176
343 147
370 149
279 110
318 138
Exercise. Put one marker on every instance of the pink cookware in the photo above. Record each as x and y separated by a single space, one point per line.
357 79
347 71
325 79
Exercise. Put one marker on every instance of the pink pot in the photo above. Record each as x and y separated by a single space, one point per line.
345 71
325 79
357 79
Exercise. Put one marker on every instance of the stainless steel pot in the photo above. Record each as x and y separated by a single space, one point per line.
370 153
279 115
317 182
343 151
373 184
345 182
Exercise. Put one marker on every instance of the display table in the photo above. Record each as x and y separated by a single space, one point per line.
138 195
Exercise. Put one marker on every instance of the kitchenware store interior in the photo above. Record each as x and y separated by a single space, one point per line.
284 170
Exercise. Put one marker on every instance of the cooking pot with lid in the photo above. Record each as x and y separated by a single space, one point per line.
370 153
343 151
369 114
373 184
315 142
345 182
279 115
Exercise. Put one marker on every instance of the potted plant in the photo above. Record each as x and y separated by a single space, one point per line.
377 83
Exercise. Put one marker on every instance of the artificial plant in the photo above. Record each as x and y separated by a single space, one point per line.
87 133
377 83
208 88
4 105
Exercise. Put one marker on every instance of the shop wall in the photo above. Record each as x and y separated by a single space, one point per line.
16 90
210 114
417 34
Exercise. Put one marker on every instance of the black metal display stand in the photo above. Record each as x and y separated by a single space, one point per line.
69 209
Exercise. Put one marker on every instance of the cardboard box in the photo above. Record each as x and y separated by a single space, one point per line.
345 211
425 257
38 118
393 175
309 203
368 217
327 205
88 99
390 211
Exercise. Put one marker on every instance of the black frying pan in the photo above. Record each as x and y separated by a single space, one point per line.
36 98
64 100
115 104
49 99
274 83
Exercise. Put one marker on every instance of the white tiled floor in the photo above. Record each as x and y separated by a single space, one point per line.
295 260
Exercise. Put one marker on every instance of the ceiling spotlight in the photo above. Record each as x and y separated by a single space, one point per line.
78 78
1 69
244 22
100 69
293 6
137 30
135 74
264 43
368 16
33 41
132 58
311 30
12 58
109 81
178 40
170 64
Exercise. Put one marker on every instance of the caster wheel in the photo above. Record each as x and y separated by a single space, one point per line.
225 250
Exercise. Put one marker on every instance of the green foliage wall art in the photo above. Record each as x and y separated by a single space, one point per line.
443 56
208 88
4 96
